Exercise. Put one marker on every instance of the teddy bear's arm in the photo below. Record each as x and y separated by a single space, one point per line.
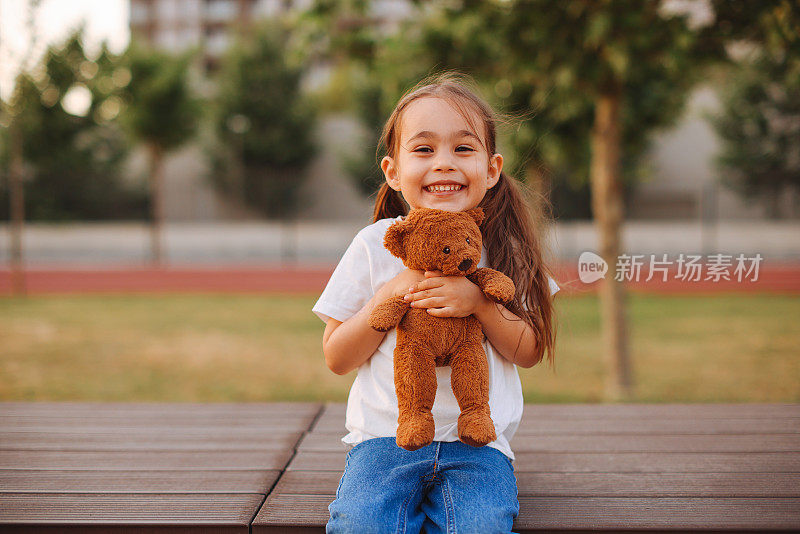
387 314
494 284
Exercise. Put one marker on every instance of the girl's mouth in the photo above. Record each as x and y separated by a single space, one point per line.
443 188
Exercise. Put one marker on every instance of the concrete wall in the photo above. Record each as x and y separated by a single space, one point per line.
685 182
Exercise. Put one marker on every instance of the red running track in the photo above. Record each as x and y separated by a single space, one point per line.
772 278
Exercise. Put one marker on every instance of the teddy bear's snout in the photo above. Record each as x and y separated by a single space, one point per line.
465 265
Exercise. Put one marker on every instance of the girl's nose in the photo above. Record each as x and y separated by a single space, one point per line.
443 163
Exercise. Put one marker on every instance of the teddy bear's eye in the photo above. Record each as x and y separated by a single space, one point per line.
446 250
467 241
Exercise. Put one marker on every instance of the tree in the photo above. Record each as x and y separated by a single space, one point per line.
586 81
71 145
592 79
264 123
15 149
369 73
759 124
161 113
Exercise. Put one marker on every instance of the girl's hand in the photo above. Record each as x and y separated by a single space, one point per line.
402 283
446 296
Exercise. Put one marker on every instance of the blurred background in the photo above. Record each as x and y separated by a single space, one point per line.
180 177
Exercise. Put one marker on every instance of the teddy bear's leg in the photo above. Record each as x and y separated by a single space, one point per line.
470 382
415 383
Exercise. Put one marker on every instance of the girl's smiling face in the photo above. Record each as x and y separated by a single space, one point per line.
441 162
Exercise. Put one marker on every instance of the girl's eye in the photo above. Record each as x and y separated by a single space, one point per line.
423 149
465 148
467 241
446 250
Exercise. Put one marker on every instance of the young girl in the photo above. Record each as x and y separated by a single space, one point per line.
440 143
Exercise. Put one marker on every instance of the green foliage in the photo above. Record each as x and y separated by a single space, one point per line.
264 123
541 63
759 126
73 161
160 109
759 123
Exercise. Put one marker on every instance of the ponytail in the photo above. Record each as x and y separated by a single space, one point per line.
388 204
514 247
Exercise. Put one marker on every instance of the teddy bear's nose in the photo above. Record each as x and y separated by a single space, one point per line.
464 265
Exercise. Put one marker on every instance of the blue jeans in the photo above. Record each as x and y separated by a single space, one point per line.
445 487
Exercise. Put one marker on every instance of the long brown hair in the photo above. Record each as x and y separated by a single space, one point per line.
511 229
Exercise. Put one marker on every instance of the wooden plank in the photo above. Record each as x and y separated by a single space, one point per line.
659 462
655 462
335 424
162 481
99 426
308 483
582 427
227 512
43 416
145 460
330 419
740 443
124 439
317 441
242 425
564 513
292 510
127 410
633 411
583 513
659 484
597 484
659 426
128 528
661 411
322 442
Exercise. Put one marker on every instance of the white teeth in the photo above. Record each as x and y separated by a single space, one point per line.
443 188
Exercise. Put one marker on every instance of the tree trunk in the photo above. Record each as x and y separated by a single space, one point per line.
157 204
607 212
16 195
539 182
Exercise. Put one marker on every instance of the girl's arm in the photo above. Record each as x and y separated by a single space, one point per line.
456 296
513 338
346 345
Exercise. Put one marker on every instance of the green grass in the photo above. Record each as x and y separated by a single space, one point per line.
725 348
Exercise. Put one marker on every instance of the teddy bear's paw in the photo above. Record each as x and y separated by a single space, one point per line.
500 291
386 315
476 429
380 322
415 432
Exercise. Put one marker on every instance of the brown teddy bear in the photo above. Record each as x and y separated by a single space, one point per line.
435 240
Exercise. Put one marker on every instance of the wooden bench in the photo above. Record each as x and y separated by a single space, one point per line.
203 468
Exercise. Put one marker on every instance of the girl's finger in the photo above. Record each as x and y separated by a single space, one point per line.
429 283
416 295
430 302
447 311
427 293
432 274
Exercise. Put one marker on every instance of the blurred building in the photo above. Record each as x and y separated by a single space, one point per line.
210 26
683 184
179 25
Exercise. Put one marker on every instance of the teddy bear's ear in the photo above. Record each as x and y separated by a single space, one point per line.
477 214
395 237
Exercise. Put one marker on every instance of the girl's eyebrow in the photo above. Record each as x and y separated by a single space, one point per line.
427 134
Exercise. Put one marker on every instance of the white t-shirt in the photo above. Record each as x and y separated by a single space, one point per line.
372 404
